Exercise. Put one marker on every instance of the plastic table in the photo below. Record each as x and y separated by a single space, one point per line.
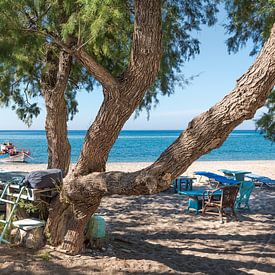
195 198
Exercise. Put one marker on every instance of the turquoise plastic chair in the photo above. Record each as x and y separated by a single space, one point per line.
183 183
245 190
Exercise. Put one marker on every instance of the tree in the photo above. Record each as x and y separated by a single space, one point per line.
88 183
31 66
124 91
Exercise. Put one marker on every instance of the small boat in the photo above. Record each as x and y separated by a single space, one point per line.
9 153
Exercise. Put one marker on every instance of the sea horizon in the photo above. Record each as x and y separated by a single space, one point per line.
85 130
146 145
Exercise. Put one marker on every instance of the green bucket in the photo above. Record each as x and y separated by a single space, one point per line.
96 227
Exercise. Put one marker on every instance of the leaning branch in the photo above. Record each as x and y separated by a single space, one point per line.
210 129
204 133
101 74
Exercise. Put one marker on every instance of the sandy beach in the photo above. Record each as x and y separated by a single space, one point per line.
261 167
156 235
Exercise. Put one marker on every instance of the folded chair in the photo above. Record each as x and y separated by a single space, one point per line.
223 203
215 179
245 190
261 180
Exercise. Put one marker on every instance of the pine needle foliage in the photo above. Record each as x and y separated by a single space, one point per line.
266 124
104 28
249 19
22 55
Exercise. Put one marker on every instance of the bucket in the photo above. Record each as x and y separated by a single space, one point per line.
96 227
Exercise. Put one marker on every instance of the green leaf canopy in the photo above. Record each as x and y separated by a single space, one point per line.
104 28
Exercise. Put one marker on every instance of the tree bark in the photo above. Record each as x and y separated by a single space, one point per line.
122 95
54 83
69 216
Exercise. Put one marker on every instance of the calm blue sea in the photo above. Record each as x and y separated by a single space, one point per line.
138 146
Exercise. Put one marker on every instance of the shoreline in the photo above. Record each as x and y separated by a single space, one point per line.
261 167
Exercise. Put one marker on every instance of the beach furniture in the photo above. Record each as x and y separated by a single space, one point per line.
195 198
225 203
261 180
183 183
245 190
11 192
235 174
216 179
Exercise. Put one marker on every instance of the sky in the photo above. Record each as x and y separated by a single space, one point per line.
217 74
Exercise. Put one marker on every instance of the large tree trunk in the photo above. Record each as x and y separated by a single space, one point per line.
67 219
54 83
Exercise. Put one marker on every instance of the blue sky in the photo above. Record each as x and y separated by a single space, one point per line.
218 72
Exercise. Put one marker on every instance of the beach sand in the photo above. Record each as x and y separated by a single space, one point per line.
261 167
155 234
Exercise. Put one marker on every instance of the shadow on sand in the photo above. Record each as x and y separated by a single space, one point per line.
153 235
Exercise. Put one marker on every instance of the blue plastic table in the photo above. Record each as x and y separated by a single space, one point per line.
195 198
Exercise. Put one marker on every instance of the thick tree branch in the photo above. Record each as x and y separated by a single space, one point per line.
121 102
146 46
54 83
204 133
101 74
210 129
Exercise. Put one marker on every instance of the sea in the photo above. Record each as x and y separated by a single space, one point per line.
146 146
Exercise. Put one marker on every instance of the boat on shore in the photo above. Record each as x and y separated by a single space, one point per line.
9 153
